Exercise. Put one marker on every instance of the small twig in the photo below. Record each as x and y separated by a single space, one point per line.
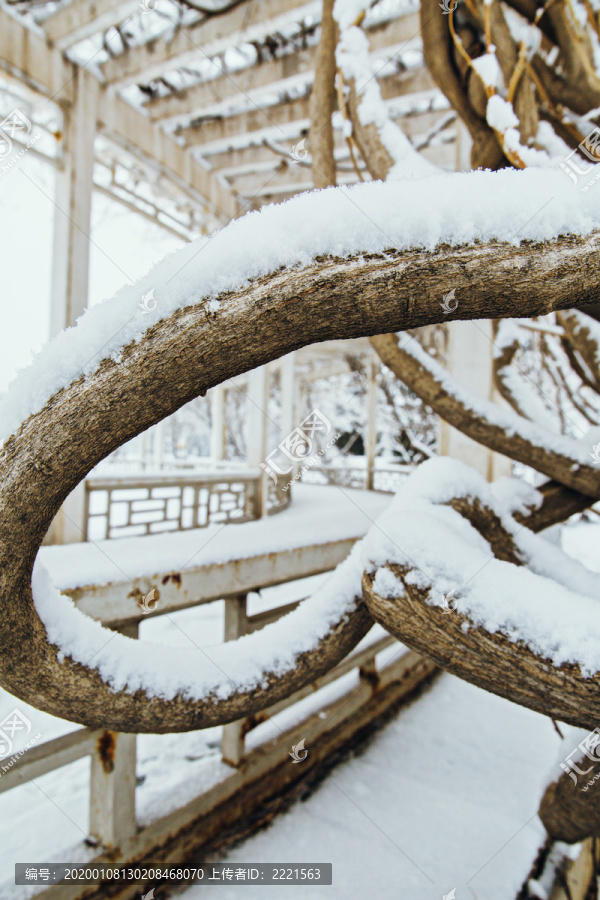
557 729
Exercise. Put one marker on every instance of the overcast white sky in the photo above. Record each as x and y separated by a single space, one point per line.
122 243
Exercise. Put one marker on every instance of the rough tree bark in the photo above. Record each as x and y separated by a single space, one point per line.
322 102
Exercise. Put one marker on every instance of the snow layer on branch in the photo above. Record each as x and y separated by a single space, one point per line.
500 116
506 419
217 672
443 550
352 55
523 603
456 209
347 12
165 671
488 69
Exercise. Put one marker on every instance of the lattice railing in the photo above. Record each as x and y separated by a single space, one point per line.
130 507
386 479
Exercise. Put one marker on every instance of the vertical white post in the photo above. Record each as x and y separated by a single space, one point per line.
463 146
112 782
69 524
469 360
232 741
370 439
257 424
71 251
72 218
218 432
288 390
158 441
144 450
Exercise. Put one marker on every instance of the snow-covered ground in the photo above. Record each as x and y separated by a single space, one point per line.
444 797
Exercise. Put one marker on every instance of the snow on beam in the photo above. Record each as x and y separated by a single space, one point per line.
83 18
131 129
231 161
235 85
24 53
294 113
209 38
271 73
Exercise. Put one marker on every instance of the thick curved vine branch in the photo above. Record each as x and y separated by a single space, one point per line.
180 357
470 636
503 431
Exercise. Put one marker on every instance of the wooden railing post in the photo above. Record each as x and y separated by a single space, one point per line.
113 781
236 623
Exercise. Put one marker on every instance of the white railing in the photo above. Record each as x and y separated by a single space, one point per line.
384 478
130 506
112 797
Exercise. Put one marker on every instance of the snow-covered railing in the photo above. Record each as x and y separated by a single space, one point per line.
113 756
128 506
385 478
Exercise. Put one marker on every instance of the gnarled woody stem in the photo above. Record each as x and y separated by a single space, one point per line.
439 390
181 357
487 659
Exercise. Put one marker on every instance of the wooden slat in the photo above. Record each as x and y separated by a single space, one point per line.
81 19
292 116
116 603
246 22
51 755
274 74
23 51
132 130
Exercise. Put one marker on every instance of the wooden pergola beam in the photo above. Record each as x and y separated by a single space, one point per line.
258 156
294 179
25 53
272 74
240 25
83 18
294 113
131 129
389 36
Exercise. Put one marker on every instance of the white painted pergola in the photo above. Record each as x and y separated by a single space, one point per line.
203 110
